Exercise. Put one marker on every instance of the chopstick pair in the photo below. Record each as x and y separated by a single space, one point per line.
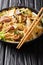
29 31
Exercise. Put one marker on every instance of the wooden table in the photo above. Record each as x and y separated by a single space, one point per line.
10 56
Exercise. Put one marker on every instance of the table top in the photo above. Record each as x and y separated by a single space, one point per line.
11 56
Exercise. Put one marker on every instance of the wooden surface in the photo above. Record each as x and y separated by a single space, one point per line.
37 4
9 56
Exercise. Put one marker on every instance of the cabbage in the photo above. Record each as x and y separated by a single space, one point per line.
2 36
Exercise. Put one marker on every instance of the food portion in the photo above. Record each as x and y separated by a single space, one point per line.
15 22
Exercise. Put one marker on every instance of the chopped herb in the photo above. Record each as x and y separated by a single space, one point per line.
16 32
22 12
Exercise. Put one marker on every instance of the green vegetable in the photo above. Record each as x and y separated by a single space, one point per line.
16 32
2 36
27 11
22 34
22 12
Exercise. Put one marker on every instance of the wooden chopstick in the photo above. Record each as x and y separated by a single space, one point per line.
26 35
30 27
30 31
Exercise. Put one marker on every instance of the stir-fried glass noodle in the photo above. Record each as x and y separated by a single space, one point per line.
15 22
